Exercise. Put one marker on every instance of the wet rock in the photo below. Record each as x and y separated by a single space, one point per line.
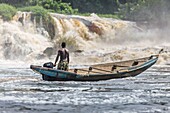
41 56
49 51
95 28
79 51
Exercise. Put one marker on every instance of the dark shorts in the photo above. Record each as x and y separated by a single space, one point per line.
63 65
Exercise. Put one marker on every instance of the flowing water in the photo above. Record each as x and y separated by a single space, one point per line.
100 40
22 90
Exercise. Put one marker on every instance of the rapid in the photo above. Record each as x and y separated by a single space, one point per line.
91 39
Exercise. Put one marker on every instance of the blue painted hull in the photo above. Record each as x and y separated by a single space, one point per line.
51 74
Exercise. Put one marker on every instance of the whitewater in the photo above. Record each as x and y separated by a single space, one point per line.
92 40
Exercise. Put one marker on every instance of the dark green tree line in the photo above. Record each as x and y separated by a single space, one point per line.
136 10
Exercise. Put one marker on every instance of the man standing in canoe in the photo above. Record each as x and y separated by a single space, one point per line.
63 54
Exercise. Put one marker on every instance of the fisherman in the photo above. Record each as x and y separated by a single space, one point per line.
63 54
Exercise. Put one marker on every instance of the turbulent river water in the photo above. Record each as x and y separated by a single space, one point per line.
24 91
100 40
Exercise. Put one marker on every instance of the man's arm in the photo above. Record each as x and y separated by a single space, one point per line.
68 58
56 59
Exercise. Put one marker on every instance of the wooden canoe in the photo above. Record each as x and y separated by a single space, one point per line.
106 71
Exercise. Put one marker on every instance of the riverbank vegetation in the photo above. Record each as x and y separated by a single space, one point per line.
135 10
7 11
148 12
142 11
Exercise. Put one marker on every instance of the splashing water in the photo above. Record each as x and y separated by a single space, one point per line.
21 42
100 39
105 39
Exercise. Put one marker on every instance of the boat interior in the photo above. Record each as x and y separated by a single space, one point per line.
108 68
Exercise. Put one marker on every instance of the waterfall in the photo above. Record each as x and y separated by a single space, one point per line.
87 30
100 39
20 39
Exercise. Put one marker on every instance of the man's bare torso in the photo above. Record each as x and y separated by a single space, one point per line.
63 53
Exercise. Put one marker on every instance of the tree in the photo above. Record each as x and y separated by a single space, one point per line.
7 11
54 6
141 9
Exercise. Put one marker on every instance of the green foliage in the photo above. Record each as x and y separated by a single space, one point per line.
54 6
65 8
136 10
141 10
94 6
7 11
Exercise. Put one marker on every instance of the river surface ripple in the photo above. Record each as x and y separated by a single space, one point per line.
23 91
